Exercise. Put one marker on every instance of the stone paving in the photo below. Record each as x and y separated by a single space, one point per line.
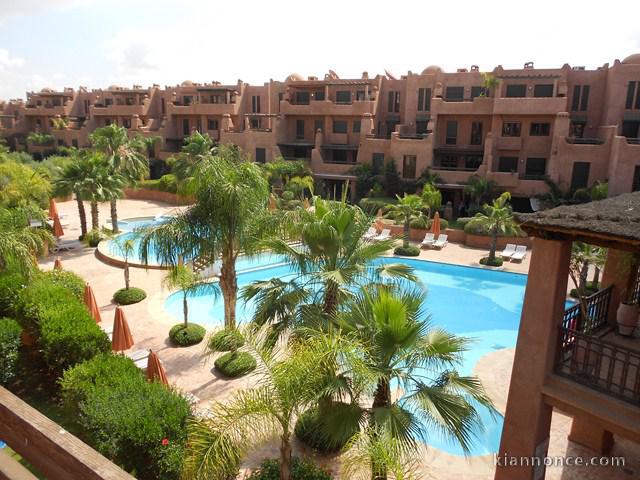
191 371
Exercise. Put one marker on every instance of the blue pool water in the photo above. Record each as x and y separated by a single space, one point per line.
478 303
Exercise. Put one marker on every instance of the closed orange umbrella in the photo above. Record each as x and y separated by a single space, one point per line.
57 264
155 370
122 339
435 225
53 208
90 302
57 226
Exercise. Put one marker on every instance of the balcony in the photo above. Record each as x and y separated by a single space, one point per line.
327 107
584 141
633 141
476 106
46 110
117 110
529 106
176 108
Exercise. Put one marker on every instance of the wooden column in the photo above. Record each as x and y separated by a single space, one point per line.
526 425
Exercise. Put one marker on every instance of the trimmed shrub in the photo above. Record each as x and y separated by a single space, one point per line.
410 251
461 222
187 336
166 183
497 262
93 238
10 286
419 223
67 279
226 340
128 296
9 349
310 427
301 469
288 195
235 364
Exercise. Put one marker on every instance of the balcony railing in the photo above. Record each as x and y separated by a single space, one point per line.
455 168
533 176
597 306
413 136
585 141
633 141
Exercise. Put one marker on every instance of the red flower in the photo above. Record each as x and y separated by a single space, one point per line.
165 441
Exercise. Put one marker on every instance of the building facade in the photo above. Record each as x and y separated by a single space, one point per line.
516 127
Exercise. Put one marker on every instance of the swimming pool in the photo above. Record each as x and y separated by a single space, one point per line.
479 303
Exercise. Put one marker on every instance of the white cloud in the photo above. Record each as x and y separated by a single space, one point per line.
10 8
7 61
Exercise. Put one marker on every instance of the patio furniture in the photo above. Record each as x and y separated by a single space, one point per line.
65 245
139 358
429 238
520 253
384 235
509 250
369 234
441 242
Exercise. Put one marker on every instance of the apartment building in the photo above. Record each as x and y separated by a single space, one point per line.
570 125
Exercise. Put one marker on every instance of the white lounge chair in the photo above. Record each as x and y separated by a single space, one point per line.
509 250
520 253
441 242
428 240
384 235
369 234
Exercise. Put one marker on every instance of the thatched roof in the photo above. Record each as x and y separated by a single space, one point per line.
615 220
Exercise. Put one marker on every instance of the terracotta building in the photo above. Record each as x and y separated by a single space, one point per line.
516 127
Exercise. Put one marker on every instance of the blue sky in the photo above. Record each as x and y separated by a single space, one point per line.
60 43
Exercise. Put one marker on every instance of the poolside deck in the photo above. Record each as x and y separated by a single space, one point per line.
187 369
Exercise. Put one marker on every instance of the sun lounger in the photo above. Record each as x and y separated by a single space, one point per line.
384 235
441 242
65 245
428 240
509 250
372 232
520 253
139 357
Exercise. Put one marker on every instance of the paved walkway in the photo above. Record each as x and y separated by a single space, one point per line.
189 370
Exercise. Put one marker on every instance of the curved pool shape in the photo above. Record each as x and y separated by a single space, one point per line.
479 303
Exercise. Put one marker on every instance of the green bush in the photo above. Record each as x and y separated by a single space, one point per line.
461 222
10 286
497 262
93 238
235 364
581 195
226 340
168 183
310 428
420 223
409 251
371 205
128 296
186 336
9 349
301 469
287 195
67 279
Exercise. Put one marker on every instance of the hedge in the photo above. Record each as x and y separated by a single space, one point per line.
410 251
497 262
166 183
226 340
187 336
423 223
139 425
301 469
9 349
66 332
129 296
68 280
235 364
10 286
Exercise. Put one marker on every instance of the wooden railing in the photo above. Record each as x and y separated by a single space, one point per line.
596 305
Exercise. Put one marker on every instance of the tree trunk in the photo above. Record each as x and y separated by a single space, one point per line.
126 275
185 309
596 276
285 458
95 220
405 239
83 216
583 278
114 216
492 247
229 287
330 298
381 399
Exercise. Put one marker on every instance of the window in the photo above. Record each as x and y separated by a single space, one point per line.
409 166
449 162
356 126
126 122
421 126
511 129
635 185
318 125
255 123
452 132
212 124
454 94
580 100
299 129
508 164
535 167
343 96
543 90
478 92
108 101
186 129
339 126
319 96
340 156
539 129
472 162
360 96
424 99
261 155
38 123
393 105
255 104
576 129
476 133
60 142
302 98
74 143
631 91
377 163
128 101
187 100
516 91
580 175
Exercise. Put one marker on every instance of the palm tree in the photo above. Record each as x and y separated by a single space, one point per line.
197 148
489 84
100 184
187 281
20 243
229 216
431 198
407 208
397 346
70 181
480 190
126 247
496 219
125 156
37 138
288 382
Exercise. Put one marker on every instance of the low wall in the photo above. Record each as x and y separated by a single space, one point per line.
156 195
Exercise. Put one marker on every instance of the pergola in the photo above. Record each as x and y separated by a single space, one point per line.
567 359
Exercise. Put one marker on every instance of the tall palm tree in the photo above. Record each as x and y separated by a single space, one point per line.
70 181
480 190
496 219
20 243
399 348
431 198
100 184
407 208
229 216
125 156
188 282
197 148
